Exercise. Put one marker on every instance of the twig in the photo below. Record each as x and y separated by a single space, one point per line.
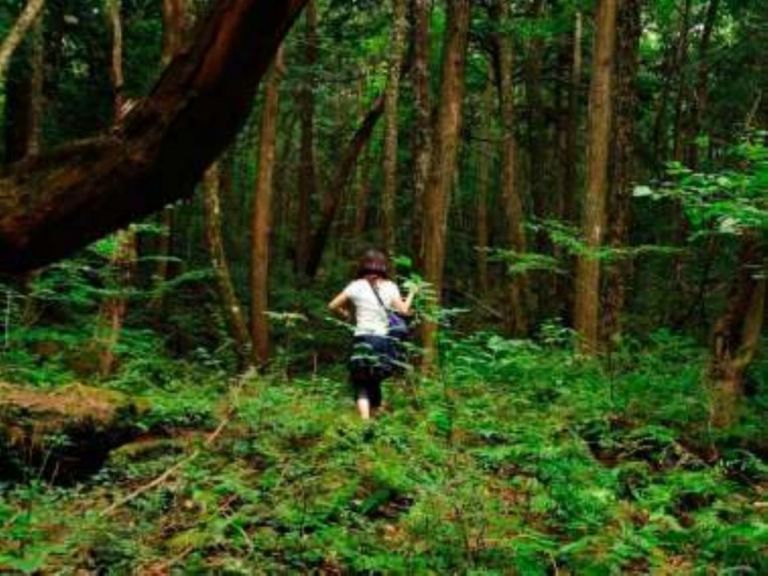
240 381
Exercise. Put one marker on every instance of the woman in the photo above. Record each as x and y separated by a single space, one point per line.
371 295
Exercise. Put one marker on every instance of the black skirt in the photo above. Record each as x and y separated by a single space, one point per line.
374 357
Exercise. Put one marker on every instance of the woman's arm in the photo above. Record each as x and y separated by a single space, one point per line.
339 305
403 305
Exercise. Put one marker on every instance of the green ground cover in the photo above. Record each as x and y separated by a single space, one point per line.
517 459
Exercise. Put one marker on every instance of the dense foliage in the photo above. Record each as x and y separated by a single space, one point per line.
518 458
143 430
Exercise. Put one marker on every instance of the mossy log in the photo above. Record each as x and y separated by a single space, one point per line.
62 435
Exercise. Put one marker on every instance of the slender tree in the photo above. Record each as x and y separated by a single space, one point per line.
391 98
444 156
622 165
512 198
736 333
306 173
533 63
262 215
586 302
570 156
422 135
19 30
37 80
233 311
672 68
113 309
363 193
568 98
683 89
485 156
339 182
175 25
701 91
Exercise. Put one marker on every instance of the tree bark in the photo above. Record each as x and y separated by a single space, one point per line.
622 163
113 309
568 126
671 64
570 159
736 334
444 156
233 312
363 194
537 172
422 139
307 176
391 98
24 98
17 33
262 215
586 302
37 81
338 184
512 198
175 27
485 152
682 84
701 92
158 151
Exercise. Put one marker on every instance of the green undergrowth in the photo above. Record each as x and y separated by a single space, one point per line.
517 458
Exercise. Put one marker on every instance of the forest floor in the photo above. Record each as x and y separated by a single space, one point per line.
519 458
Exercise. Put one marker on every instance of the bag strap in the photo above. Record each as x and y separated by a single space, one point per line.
378 297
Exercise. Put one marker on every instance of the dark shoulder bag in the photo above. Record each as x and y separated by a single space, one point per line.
397 326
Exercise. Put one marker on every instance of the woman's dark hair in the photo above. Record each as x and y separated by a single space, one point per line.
373 263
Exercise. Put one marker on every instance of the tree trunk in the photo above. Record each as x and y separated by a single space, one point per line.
24 98
113 309
512 198
678 127
701 92
485 152
673 64
37 81
307 176
159 150
93 421
736 334
175 27
570 158
17 33
622 163
567 204
233 312
444 157
391 98
586 304
537 172
338 184
422 139
262 216
363 194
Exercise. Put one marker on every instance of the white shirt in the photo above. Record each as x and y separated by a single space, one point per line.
370 317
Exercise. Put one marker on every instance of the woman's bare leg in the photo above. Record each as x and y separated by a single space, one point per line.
364 406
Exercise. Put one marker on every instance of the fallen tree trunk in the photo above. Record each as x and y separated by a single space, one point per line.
62 435
56 203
